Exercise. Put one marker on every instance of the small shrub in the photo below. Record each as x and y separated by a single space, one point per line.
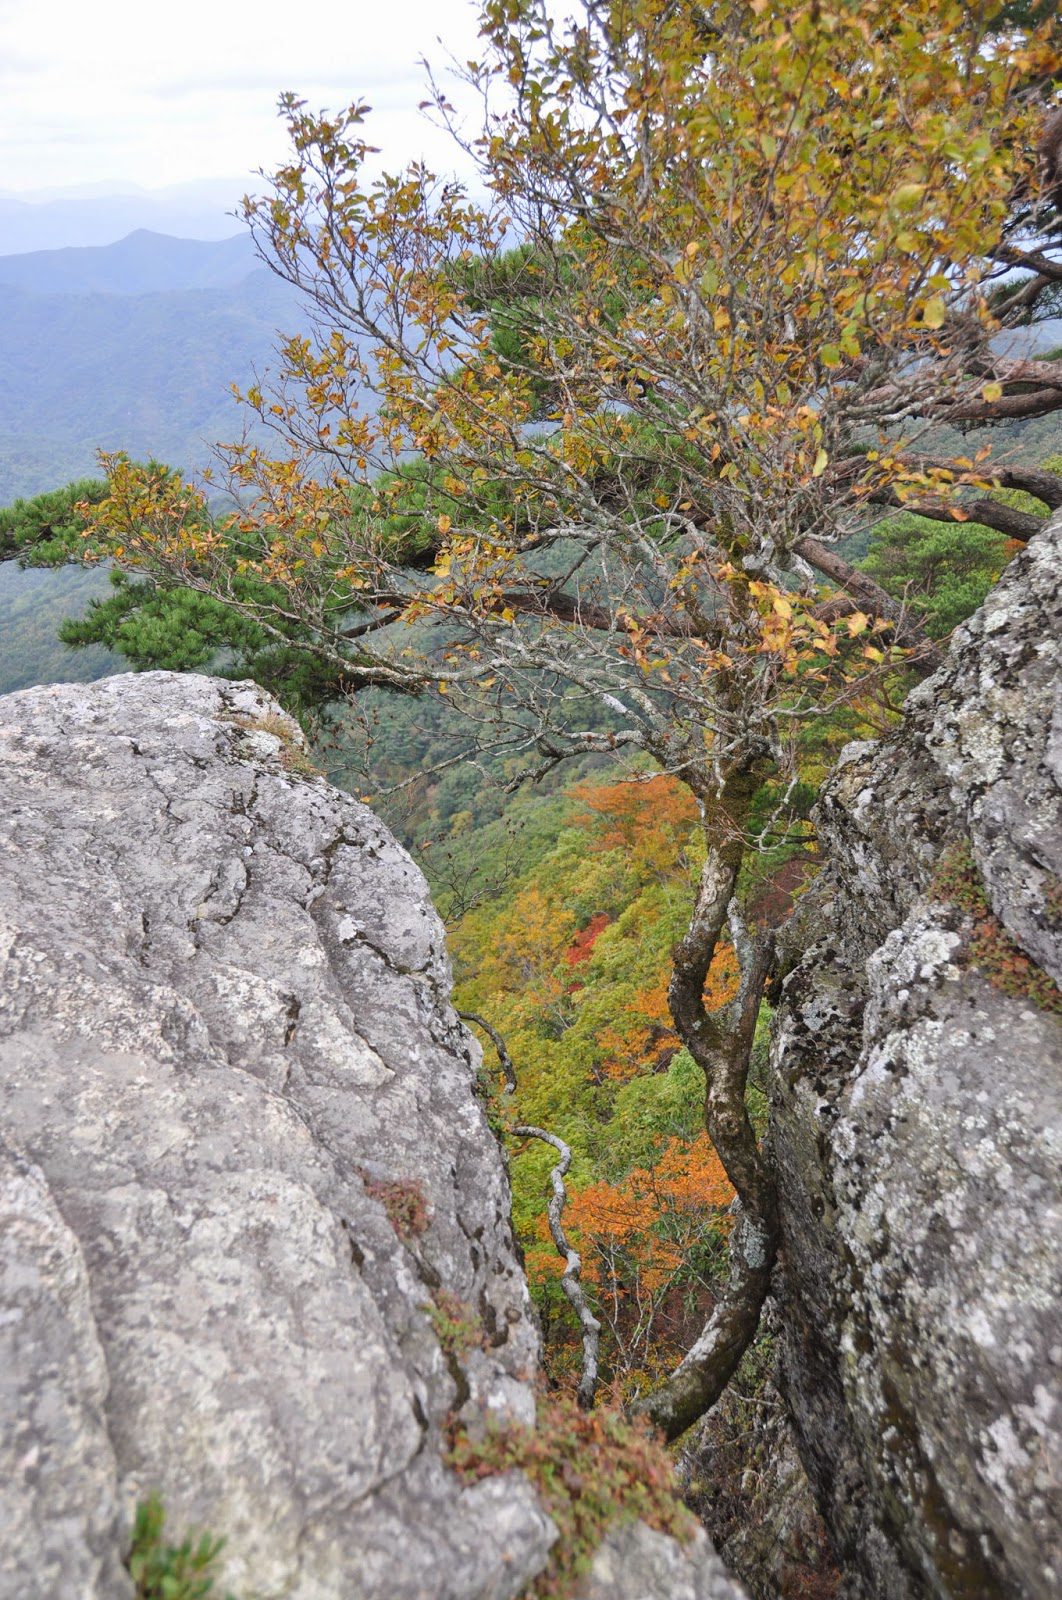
990 946
162 1571
457 1327
404 1202
591 1469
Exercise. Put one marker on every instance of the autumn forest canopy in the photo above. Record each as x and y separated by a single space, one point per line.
612 493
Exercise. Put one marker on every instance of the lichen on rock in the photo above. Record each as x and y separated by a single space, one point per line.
917 1125
246 1162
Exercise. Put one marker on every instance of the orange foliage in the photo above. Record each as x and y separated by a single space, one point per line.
649 1028
724 977
649 818
647 1217
690 1176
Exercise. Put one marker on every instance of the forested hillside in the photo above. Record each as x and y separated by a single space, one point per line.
131 346
34 603
146 373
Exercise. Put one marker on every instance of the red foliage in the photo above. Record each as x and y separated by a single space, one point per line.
774 901
581 946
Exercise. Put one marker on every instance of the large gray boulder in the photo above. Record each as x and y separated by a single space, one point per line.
247 1192
918 1126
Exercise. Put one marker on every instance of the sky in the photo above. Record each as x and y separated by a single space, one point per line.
126 92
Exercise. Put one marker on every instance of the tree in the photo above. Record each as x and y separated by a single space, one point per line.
761 250
49 529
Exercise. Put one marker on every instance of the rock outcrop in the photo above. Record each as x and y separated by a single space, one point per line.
248 1193
918 1126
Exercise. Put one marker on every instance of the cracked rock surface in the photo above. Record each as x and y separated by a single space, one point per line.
917 1123
226 1050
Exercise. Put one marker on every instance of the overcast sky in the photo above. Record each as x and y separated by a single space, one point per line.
123 90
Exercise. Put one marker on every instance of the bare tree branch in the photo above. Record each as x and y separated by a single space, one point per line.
1032 260
1020 525
1041 484
570 1281
909 632
504 1058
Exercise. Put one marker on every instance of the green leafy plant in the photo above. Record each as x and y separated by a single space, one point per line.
457 1327
164 1571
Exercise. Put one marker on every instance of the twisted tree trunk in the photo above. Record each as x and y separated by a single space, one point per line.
721 1045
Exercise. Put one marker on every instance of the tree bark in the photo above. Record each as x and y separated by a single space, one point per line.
721 1045
1020 525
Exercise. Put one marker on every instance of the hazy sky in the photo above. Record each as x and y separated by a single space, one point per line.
94 90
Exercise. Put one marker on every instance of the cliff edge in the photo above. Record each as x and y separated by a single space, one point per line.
247 1191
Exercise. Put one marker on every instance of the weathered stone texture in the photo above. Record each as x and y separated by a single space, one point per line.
918 1130
225 1027
635 1562
59 1528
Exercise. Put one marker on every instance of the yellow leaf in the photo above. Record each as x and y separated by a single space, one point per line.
444 524
907 196
936 313
992 391
856 623
821 463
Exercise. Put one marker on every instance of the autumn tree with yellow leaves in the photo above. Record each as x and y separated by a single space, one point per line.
597 424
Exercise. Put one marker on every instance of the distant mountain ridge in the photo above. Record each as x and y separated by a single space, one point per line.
84 216
133 345
142 263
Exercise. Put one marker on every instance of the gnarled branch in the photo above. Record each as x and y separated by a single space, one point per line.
721 1045
570 1281
504 1058
1020 525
